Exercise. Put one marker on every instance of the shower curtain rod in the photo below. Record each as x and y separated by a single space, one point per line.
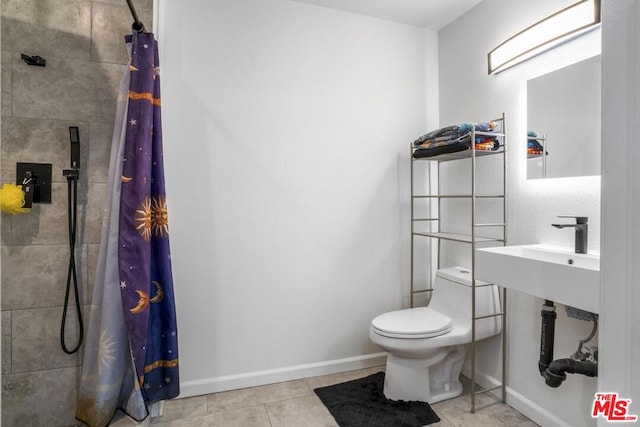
137 24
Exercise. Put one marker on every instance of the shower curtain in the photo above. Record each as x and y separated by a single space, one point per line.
131 350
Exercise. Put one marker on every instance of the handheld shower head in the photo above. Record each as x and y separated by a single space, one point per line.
74 136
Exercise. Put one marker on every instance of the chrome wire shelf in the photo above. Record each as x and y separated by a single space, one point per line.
432 221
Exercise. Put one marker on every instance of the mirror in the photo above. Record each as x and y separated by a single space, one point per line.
563 122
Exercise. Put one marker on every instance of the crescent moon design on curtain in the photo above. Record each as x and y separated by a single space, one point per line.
143 302
159 293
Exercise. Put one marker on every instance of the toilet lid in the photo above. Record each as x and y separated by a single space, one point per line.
420 322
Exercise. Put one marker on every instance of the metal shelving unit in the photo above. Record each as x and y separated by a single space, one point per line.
474 239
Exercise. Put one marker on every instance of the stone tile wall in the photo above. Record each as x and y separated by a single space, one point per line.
82 41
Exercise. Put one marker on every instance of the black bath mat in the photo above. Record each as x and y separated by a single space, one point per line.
361 403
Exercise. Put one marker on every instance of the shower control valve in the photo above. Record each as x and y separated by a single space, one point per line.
72 173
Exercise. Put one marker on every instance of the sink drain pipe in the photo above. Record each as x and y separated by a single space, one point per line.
554 371
558 370
547 332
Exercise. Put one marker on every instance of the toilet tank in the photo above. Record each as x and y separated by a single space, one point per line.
452 296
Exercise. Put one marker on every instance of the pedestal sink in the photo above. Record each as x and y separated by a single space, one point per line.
550 272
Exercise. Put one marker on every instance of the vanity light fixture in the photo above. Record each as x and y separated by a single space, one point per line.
558 28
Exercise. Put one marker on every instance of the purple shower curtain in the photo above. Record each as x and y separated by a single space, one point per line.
146 282
131 351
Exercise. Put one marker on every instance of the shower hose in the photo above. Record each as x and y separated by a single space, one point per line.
72 181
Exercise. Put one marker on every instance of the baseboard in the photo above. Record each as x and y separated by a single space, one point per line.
525 406
272 376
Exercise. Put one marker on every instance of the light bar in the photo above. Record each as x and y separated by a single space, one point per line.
562 26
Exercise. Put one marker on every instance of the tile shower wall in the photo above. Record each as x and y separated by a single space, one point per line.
82 41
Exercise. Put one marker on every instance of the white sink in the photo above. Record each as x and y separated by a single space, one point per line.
550 272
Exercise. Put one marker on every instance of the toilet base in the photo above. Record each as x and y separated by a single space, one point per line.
430 379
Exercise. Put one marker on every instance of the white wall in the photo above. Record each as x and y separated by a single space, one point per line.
467 93
286 130
620 298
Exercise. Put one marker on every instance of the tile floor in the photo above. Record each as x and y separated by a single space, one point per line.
294 404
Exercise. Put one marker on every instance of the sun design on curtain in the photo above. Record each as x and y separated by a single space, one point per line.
143 219
152 216
107 352
160 217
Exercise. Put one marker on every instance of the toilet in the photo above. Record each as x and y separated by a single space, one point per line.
426 346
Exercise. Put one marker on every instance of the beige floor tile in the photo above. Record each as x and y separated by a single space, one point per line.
442 423
123 420
178 409
253 396
255 416
302 412
293 404
457 411
341 377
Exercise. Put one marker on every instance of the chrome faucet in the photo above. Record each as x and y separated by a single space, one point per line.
582 232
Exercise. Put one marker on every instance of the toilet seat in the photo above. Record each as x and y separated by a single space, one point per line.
420 322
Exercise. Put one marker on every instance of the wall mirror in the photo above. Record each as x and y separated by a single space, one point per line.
563 121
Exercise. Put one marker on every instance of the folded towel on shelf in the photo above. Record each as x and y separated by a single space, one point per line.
439 135
452 134
455 138
534 148
481 127
486 143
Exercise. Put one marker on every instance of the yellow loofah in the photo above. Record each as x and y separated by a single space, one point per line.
12 199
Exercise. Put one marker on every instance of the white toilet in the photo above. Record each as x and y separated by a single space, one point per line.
426 346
